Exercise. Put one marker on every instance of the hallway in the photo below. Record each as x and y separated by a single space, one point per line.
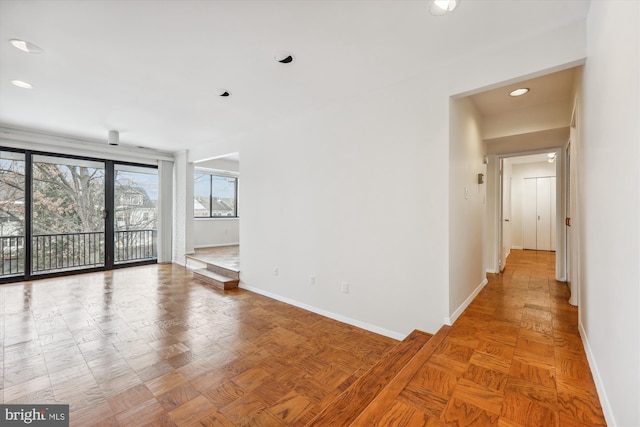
517 352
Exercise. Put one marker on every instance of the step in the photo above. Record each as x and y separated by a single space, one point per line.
193 262
348 406
215 279
371 415
224 271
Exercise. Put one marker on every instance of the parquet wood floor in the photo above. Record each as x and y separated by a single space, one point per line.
148 346
514 358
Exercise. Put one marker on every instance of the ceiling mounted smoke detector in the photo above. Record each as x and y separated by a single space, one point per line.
114 137
440 7
284 57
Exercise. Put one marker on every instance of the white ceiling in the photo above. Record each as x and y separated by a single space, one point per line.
150 69
551 88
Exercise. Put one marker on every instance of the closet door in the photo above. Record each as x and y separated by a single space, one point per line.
529 213
543 212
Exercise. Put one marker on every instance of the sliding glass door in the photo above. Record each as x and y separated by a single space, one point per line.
62 214
68 205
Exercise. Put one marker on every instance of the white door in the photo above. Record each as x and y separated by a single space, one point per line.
539 214
506 218
543 210
529 214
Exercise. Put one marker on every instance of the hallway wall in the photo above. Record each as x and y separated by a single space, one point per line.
467 206
610 207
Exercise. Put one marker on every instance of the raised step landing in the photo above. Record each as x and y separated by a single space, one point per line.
218 280
366 400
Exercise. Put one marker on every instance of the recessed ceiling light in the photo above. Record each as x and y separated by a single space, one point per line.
26 46
440 7
519 92
22 84
284 57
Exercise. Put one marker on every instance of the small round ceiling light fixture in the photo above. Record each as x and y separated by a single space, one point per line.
284 57
25 46
223 92
519 92
440 7
114 137
22 84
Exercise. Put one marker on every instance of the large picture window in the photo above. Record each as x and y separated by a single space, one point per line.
61 214
215 196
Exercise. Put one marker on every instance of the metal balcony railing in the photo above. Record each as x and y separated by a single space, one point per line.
69 251
11 255
135 245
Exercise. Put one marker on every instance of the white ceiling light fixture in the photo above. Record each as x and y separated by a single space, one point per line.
440 7
22 84
114 137
519 92
25 46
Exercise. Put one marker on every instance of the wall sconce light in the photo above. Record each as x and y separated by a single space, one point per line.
480 178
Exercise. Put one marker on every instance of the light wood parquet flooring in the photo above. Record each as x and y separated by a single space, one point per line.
150 346
514 358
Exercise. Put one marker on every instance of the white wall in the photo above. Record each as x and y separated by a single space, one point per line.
467 201
209 232
359 191
610 207
518 174
182 207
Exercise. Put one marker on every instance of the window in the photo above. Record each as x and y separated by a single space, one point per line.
215 196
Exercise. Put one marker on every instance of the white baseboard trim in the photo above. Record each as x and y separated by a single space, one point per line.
451 319
602 393
325 313
216 245
491 271
517 247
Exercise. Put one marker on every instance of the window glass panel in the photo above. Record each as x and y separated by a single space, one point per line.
202 195
223 200
12 213
67 214
136 213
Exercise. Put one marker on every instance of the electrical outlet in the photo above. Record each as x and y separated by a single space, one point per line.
312 280
345 287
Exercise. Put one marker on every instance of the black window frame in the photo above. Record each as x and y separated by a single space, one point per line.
211 195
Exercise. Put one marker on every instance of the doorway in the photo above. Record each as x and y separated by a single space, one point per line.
521 175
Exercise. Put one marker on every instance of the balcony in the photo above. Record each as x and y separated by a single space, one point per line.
73 251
